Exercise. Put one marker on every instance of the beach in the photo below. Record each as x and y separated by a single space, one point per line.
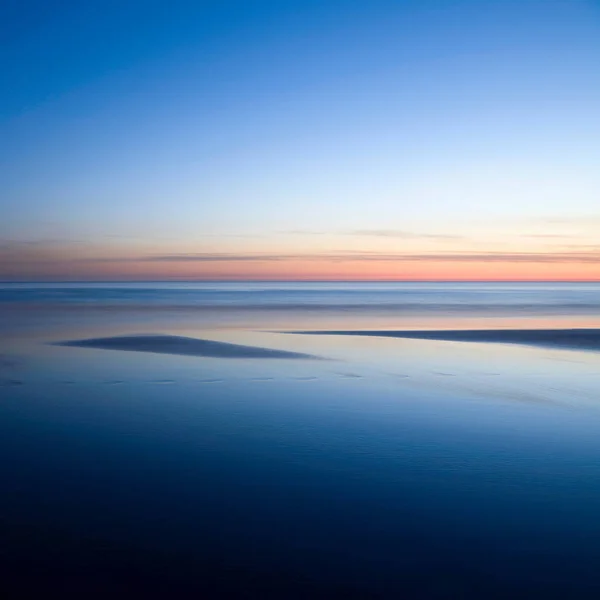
582 339
193 450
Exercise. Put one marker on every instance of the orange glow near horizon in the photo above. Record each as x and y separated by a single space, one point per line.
139 262
306 271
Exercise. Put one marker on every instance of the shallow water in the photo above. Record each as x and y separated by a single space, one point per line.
396 468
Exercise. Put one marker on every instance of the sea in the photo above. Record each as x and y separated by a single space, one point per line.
333 466
557 298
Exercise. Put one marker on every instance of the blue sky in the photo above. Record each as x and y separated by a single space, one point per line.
136 128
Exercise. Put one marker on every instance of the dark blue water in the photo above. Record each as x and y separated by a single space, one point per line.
560 298
394 469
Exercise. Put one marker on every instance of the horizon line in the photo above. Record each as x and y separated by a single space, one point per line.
17 281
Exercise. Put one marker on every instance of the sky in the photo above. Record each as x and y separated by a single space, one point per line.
300 139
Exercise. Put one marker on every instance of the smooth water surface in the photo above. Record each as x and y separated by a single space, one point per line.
390 468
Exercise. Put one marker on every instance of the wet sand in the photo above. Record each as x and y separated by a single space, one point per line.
393 469
579 339
185 346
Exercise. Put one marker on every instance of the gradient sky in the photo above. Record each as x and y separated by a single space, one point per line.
379 139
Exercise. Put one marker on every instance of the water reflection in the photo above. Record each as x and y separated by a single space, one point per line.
396 468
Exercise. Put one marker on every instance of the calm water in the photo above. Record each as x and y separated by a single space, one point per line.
393 469
553 298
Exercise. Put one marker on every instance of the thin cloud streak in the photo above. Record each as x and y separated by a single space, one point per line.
7 244
401 234
385 233
469 257
573 220
550 236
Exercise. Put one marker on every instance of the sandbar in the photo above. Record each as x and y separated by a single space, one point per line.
579 339
186 346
